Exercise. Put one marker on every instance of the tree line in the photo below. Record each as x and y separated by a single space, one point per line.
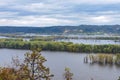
59 46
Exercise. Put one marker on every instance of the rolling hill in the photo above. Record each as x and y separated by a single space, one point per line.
110 29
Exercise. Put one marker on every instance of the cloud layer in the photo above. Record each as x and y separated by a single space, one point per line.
63 12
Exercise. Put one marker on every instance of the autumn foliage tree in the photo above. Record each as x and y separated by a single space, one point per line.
31 69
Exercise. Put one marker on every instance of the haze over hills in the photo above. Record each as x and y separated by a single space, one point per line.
109 29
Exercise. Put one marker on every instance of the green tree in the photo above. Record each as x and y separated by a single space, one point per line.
33 67
68 75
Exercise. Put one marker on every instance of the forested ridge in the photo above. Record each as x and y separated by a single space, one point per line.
111 29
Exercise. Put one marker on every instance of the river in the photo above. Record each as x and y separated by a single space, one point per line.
79 41
90 41
57 61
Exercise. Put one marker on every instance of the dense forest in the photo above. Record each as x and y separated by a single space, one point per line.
98 29
58 46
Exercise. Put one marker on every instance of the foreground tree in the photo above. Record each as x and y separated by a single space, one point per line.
119 78
68 75
31 69
8 74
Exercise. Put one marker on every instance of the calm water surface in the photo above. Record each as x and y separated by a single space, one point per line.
83 41
2 37
57 61
90 41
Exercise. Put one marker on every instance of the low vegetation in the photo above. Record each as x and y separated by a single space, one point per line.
103 59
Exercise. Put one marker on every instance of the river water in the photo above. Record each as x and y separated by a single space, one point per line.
80 41
90 41
57 61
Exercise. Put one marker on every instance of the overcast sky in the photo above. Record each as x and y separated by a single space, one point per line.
58 12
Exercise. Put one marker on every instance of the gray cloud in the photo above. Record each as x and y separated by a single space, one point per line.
63 12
